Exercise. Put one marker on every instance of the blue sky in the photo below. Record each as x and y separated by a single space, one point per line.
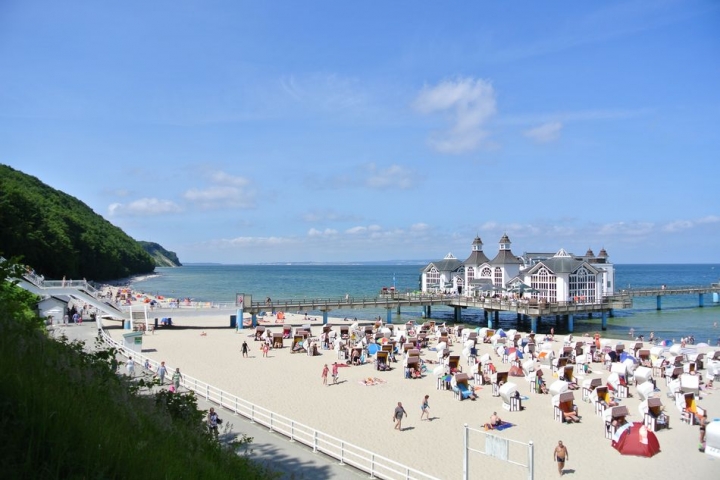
245 132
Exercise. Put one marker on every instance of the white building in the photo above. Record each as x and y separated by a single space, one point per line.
555 277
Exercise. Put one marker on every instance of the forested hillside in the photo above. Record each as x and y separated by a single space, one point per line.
58 235
162 257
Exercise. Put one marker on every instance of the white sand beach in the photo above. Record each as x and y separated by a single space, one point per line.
291 385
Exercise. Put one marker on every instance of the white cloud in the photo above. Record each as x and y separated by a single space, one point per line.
419 227
545 133
469 103
143 207
217 197
222 178
254 241
328 232
356 230
394 176
327 216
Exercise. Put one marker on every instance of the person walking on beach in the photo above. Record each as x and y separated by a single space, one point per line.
561 455
245 349
324 375
335 373
425 407
265 349
161 372
398 416
177 378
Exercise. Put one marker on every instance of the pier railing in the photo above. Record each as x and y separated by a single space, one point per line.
347 453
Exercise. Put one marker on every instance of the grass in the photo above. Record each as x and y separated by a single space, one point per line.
65 414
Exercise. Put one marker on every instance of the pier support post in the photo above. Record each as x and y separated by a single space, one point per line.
254 319
658 301
534 324
701 300
571 323
485 315
325 317
239 322
489 321
388 316
458 314
496 314
398 309
428 311
604 320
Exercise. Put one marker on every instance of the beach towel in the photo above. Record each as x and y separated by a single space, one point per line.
504 425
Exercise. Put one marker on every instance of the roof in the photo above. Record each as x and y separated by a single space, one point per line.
563 265
444 265
477 258
505 257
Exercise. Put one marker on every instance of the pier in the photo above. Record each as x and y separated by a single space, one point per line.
531 309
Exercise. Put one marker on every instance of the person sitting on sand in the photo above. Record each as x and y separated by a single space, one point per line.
495 421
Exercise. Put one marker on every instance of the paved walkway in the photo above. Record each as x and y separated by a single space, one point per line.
292 459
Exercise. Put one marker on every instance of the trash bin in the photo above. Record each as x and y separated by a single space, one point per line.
156 324
233 321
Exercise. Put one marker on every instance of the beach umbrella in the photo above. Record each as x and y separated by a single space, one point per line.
502 333
373 348
636 440
666 343
702 345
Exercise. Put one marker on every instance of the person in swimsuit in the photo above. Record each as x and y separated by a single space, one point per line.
561 456
425 408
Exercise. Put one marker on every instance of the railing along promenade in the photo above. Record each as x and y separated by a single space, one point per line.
375 465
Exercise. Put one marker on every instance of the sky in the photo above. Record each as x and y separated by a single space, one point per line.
323 131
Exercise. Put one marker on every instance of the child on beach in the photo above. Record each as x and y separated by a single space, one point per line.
335 373
325 374
425 407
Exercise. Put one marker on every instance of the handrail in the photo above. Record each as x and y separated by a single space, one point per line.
347 453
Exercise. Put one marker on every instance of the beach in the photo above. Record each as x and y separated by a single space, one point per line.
203 346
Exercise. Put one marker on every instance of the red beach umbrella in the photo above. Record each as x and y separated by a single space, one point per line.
637 440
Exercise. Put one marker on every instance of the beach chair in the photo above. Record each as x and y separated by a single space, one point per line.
636 348
642 375
454 363
259 332
559 364
697 359
381 361
510 397
568 374
581 362
614 418
498 380
588 387
690 383
617 380
277 340
297 345
413 367
672 373
645 390
643 357
602 398
654 417
287 331
461 387
563 404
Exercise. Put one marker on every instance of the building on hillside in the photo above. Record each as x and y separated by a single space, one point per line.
553 277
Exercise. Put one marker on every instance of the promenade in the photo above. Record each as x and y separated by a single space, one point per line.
291 459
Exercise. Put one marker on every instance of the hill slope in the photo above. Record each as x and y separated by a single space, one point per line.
58 235
162 257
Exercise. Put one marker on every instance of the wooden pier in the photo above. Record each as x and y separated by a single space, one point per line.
525 308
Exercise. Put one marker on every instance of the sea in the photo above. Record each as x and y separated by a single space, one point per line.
680 316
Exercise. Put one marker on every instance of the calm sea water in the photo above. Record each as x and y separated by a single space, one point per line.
680 315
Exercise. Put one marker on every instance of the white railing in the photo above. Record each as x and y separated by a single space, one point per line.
346 453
